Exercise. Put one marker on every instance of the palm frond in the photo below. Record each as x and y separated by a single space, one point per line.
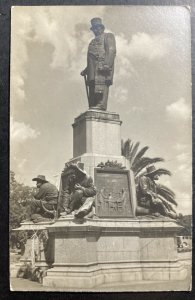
145 162
138 163
162 171
126 150
166 195
159 172
139 155
166 189
167 204
122 147
133 152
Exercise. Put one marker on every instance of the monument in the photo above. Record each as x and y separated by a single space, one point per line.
108 243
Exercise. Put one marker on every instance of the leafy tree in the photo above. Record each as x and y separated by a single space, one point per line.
138 162
186 222
17 212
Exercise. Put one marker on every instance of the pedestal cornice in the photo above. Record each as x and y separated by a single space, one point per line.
114 225
99 116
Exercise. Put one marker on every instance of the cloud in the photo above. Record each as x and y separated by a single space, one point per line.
120 94
64 28
21 164
148 46
183 157
141 46
137 109
124 67
184 167
185 171
20 29
183 195
180 147
184 201
179 110
165 180
67 30
20 132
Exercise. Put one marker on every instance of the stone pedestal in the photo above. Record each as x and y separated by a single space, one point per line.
102 251
117 246
96 139
97 132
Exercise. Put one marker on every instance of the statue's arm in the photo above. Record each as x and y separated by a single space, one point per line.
143 183
110 48
89 190
40 194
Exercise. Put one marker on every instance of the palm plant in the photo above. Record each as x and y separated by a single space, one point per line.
138 163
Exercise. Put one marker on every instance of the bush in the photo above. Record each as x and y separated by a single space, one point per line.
18 193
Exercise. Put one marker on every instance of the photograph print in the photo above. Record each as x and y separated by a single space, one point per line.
100 148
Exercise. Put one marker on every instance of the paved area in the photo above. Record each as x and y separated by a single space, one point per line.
20 284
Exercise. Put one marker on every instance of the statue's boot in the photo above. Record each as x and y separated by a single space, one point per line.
156 214
37 218
66 213
91 213
63 214
27 220
172 215
85 208
141 211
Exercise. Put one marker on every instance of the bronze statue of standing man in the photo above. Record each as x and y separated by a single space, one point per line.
100 65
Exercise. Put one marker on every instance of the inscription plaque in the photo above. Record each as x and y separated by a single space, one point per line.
113 197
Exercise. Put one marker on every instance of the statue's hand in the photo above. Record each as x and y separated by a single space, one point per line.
84 72
78 186
106 68
156 201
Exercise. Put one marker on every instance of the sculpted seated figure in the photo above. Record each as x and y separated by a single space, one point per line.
44 204
78 192
149 202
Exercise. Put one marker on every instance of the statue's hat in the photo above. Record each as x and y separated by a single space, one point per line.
40 178
151 170
70 168
95 22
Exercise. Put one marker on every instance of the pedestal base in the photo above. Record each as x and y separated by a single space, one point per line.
100 251
59 278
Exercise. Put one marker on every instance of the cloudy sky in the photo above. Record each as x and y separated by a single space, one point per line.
151 91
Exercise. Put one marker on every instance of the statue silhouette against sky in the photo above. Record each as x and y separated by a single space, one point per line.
100 66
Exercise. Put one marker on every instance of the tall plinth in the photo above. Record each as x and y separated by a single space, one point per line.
97 132
96 139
